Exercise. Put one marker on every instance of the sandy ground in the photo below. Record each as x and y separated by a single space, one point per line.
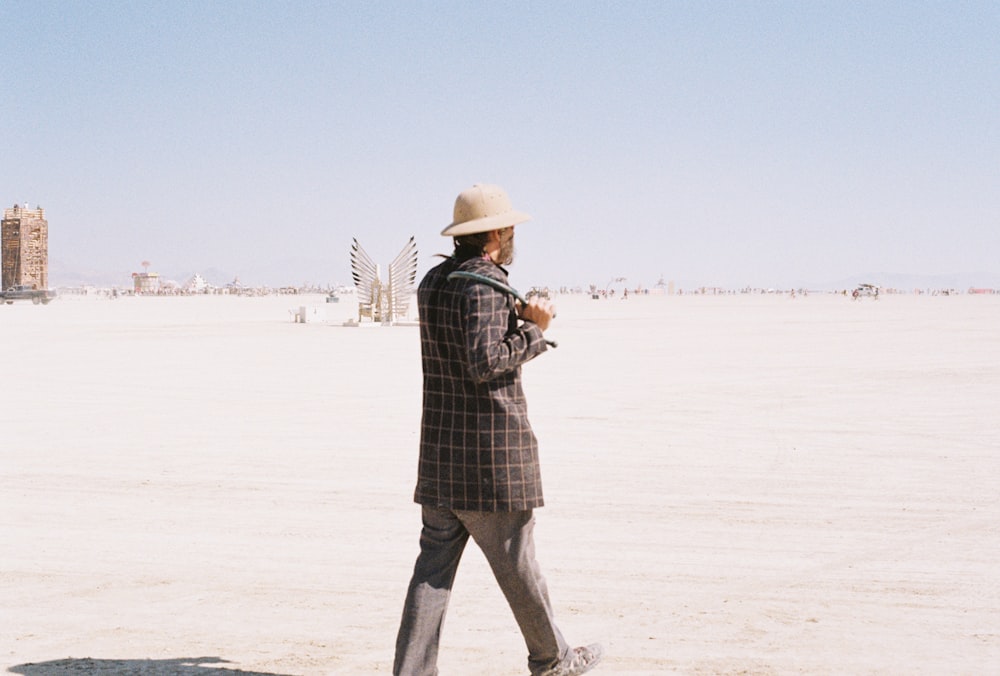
735 485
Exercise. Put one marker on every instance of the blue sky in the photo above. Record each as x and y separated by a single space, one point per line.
711 143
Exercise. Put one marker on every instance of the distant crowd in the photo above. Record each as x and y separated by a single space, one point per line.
596 293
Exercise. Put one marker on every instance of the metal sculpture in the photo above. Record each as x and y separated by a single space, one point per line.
389 302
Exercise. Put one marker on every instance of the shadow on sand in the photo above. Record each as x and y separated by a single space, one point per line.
181 666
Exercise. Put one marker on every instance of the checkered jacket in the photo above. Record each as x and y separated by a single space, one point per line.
477 449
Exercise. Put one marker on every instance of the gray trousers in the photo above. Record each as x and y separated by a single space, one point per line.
507 540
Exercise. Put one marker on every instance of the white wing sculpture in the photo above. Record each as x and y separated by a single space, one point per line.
367 283
380 302
402 276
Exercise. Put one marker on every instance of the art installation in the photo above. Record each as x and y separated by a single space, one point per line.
389 302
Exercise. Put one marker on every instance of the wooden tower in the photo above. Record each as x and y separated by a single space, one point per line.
24 247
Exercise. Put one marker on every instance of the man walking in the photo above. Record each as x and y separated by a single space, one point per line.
478 473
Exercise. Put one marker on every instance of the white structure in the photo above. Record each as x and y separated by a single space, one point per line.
386 303
196 284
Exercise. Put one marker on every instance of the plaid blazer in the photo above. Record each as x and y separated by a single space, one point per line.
477 449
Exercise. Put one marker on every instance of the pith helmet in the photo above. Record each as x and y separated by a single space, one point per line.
482 208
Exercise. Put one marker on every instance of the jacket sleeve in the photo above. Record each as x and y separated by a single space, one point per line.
496 343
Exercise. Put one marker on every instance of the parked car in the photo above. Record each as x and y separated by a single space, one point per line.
865 291
25 292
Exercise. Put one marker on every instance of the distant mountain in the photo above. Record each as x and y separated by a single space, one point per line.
286 272
297 272
277 273
62 273
911 282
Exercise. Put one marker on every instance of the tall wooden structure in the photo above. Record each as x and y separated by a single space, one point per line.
24 248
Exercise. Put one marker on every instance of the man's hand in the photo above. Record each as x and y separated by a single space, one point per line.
538 310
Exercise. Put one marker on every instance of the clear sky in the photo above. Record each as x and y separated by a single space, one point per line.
713 143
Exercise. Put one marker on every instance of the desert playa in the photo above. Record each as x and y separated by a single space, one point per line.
749 484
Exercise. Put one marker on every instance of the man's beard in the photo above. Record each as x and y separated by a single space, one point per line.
506 249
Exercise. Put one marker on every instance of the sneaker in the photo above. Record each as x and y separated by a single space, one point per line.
579 661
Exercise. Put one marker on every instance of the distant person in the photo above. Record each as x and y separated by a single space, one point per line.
478 473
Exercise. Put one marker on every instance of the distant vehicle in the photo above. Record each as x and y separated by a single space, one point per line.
25 292
865 291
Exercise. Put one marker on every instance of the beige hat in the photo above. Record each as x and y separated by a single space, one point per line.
482 208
